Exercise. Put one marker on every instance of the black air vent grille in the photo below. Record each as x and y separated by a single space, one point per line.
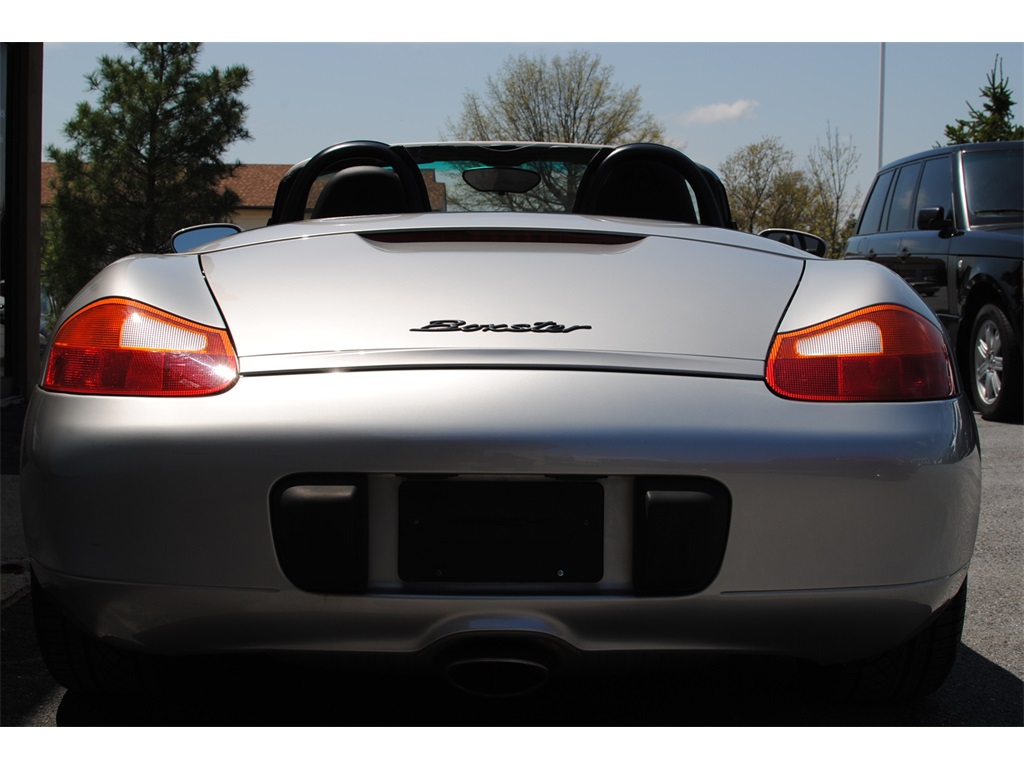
681 527
319 526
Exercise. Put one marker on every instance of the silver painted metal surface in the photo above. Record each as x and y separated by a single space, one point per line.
172 283
149 518
344 293
829 503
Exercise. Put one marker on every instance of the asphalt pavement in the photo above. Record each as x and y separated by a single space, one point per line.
984 689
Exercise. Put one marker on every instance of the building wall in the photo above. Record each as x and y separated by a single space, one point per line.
251 218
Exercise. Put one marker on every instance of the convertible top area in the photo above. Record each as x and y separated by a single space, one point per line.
641 180
638 182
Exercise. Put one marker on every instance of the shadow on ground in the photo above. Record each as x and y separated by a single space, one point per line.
264 692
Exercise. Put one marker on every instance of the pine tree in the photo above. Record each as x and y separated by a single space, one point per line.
994 122
145 161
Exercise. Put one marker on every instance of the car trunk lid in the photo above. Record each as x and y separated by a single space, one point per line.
502 298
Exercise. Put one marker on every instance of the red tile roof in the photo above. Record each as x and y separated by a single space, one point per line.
255 184
48 176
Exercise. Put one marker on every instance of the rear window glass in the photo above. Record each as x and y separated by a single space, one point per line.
992 183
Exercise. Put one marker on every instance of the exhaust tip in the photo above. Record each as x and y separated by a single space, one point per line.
497 677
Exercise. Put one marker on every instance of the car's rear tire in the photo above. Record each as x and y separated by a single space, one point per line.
82 663
994 366
917 668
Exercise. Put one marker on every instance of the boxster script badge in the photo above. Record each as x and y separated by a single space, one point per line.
544 326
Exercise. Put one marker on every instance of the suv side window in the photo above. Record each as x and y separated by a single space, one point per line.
903 198
871 221
936 188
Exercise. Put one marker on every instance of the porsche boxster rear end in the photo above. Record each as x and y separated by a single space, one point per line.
416 436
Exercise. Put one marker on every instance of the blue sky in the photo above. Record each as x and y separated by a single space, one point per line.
712 98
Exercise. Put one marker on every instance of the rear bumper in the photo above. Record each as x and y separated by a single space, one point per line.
150 521
827 626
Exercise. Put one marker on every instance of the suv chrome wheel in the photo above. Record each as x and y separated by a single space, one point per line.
988 362
995 366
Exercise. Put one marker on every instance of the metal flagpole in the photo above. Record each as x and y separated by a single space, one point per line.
881 102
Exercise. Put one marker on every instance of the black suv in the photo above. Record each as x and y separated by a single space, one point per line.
950 221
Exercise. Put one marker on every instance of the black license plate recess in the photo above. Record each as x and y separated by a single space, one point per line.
500 531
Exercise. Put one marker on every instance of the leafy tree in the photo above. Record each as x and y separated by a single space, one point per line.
144 162
572 99
765 189
994 121
791 201
834 210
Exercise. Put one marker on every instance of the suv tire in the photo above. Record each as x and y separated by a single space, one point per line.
994 366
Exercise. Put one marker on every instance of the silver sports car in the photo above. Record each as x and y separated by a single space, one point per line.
502 411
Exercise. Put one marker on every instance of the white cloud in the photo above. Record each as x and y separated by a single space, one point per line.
720 113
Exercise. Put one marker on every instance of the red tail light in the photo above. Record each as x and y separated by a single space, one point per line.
882 353
122 347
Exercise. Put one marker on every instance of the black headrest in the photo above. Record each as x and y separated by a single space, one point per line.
359 191
644 189
648 181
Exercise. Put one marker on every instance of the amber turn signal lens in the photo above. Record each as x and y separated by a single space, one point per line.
881 353
123 347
